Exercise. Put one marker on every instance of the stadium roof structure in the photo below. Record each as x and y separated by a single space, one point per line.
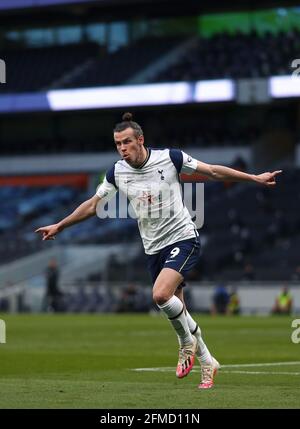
87 10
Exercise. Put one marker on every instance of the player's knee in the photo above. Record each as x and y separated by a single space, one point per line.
160 297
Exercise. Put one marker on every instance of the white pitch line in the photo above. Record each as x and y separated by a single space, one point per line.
260 364
262 372
247 365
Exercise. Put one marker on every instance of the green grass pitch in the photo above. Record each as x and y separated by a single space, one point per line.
90 361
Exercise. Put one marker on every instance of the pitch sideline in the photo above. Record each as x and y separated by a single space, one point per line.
244 365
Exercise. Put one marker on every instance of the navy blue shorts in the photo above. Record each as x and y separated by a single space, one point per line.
181 256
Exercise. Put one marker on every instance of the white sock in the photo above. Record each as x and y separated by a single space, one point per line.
202 353
173 309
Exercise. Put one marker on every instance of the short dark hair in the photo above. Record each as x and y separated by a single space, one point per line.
129 123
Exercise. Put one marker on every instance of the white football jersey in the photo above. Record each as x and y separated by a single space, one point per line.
155 195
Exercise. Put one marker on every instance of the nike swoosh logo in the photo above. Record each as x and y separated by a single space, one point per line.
170 260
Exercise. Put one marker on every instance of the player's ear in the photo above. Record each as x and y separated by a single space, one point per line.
141 139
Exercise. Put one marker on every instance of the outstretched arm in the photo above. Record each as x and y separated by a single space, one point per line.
219 172
84 211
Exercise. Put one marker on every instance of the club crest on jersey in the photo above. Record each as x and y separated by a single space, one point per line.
161 174
146 198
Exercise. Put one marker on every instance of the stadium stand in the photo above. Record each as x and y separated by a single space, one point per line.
118 67
80 65
194 128
236 56
43 66
223 55
25 207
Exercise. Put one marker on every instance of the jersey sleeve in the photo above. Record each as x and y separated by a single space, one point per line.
189 164
107 189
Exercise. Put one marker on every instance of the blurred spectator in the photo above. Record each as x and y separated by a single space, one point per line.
132 299
296 274
188 298
283 302
248 272
53 298
220 300
239 164
4 301
234 303
4 304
